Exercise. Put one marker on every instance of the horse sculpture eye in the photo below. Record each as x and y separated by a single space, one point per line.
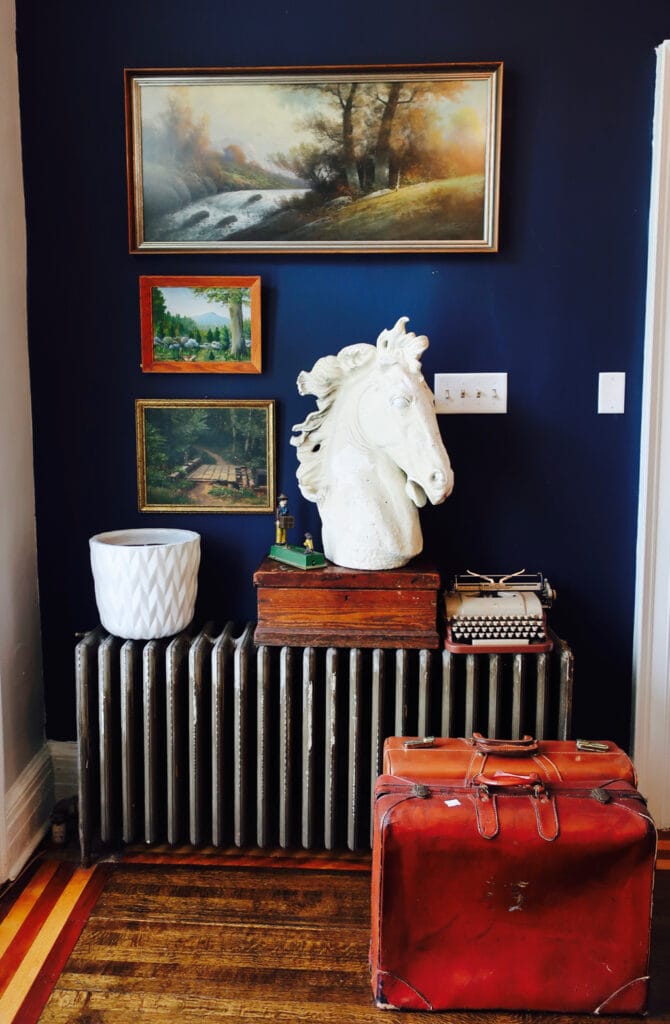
401 401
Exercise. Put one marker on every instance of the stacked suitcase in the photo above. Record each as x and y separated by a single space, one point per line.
510 876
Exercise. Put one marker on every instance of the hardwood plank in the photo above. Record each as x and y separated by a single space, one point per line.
220 948
204 894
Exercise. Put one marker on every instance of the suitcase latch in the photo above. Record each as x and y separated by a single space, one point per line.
592 746
424 741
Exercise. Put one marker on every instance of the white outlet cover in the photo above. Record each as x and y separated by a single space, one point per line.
611 392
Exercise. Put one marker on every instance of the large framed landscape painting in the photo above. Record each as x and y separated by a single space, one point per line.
205 455
348 159
200 324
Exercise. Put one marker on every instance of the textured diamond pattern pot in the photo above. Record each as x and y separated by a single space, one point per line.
145 580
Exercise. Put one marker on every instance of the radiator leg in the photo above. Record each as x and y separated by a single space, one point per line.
566 682
285 746
85 659
471 692
176 662
376 723
107 689
129 733
423 725
518 693
354 787
494 696
308 747
240 752
541 697
150 655
448 693
401 692
331 745
262 747
221 658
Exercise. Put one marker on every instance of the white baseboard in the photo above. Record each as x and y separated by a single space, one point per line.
29 803
66 770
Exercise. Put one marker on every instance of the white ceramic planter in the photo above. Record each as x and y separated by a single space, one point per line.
145 580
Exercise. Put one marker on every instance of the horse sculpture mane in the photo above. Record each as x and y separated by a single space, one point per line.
342 467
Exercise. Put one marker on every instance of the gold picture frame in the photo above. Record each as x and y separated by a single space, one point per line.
205 455
400 158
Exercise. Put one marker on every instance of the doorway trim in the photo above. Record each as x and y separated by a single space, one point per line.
651 638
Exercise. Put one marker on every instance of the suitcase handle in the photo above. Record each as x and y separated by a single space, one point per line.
505 748
532 780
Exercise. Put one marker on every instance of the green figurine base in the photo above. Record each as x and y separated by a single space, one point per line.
300 557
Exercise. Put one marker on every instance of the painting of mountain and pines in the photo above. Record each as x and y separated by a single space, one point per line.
394 161
200 324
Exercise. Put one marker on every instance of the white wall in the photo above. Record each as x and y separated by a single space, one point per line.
24 769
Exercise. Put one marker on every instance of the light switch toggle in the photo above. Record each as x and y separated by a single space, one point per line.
470 392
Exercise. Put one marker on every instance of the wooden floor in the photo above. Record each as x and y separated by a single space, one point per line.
233 941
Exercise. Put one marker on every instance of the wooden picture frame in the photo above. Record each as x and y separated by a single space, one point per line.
200 324
401 158
205 455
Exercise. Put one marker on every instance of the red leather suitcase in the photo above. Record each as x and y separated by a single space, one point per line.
554 760
503 890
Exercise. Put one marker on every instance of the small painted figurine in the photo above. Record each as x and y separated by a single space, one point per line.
308 542
282 519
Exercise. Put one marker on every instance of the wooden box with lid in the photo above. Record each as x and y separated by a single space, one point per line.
338 607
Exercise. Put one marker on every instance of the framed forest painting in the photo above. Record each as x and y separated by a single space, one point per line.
205 455
346 159
200 324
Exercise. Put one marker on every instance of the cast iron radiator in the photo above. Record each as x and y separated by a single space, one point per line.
210 740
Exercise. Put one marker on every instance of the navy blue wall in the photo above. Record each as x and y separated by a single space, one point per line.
550 486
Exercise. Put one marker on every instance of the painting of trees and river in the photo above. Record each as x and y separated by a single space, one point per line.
281 162
205 455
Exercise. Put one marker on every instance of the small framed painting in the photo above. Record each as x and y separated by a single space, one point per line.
200 324
400 158
205 455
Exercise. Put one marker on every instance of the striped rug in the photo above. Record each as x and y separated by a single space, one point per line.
39 932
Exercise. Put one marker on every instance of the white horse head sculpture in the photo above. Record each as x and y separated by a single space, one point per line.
372 454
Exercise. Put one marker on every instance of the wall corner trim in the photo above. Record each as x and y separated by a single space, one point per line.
29 805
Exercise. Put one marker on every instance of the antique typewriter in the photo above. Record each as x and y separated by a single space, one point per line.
502 613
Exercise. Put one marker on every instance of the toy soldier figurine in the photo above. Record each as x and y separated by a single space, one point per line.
283 520
308 543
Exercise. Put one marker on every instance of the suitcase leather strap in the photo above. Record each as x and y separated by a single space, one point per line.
486 810
542 802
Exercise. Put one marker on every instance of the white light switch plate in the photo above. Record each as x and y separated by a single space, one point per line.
611 392
470 392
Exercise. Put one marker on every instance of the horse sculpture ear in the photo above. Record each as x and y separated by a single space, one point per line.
354 356
397 344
